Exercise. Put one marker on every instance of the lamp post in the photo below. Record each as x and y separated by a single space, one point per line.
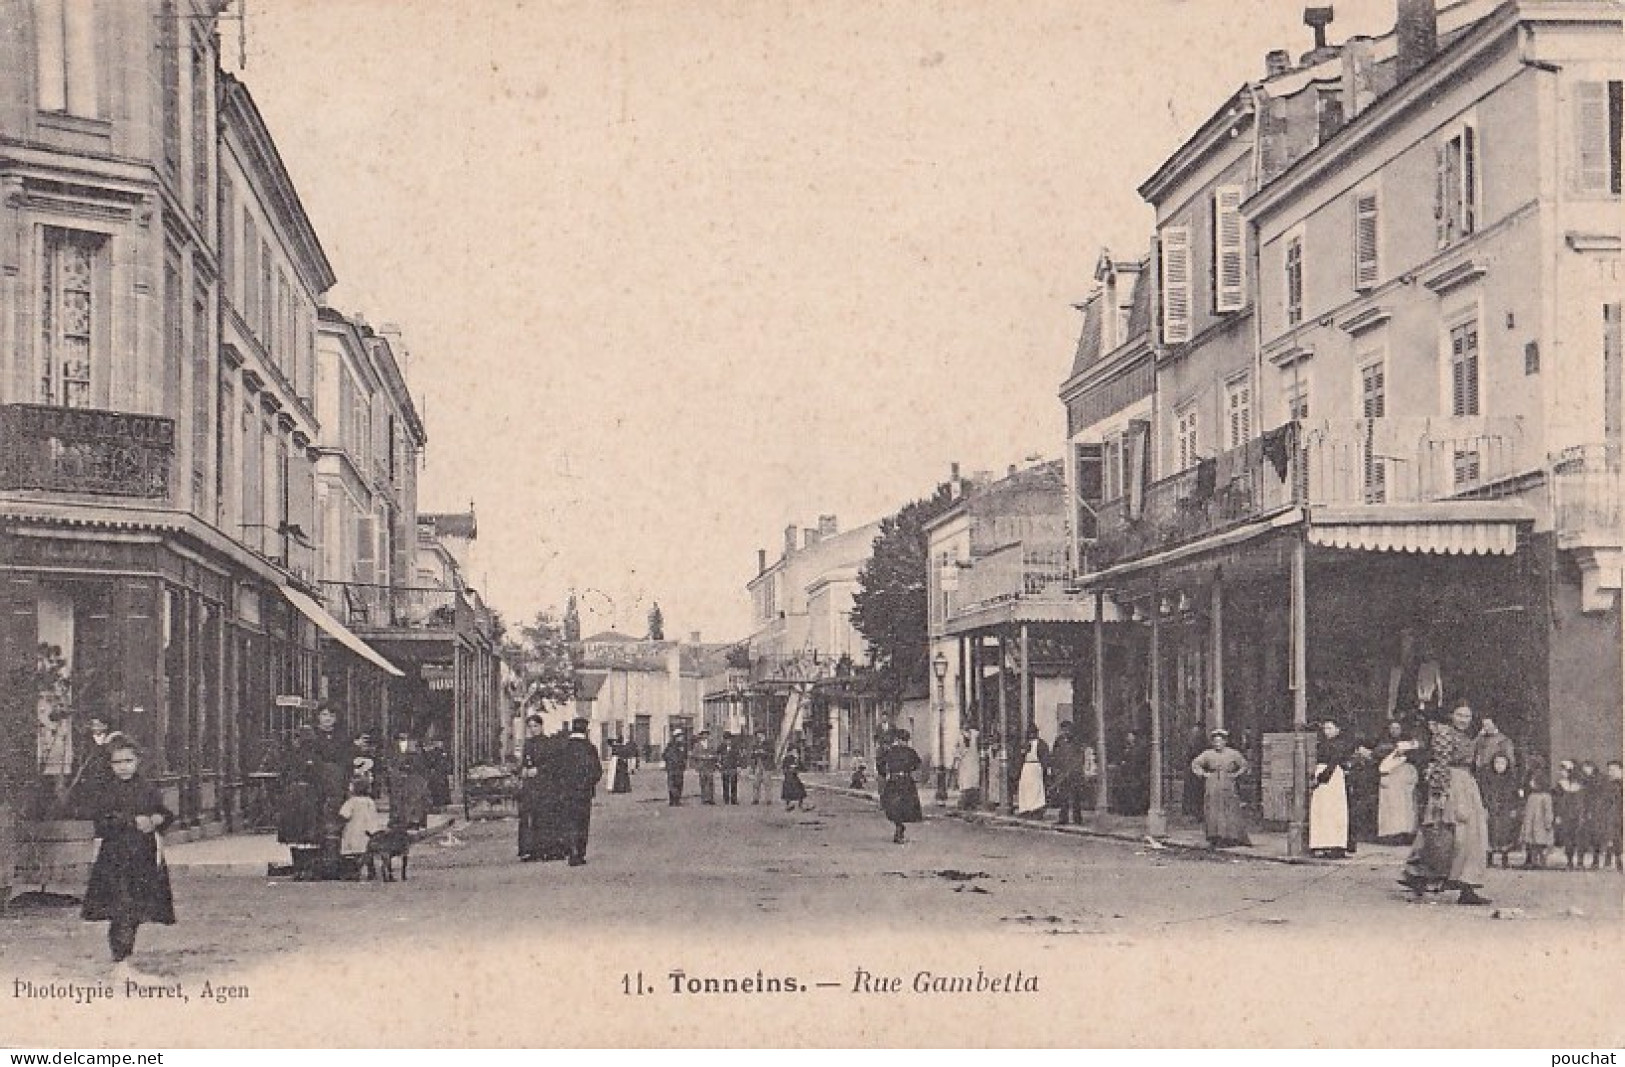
939 665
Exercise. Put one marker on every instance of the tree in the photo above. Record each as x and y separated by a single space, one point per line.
657 624
572 620
541 658
889 608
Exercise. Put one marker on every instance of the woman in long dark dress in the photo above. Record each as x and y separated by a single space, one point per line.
793 792
129 883
899 798
300 820
621 781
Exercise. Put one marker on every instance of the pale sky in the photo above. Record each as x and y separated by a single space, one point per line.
677 274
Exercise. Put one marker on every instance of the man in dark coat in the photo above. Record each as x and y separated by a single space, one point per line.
578 770
675 757
1066 769
1133 776
728 760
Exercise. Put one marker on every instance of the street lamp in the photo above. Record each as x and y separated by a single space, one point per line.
939 665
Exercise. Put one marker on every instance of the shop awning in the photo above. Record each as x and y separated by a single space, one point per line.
338 631
1466 528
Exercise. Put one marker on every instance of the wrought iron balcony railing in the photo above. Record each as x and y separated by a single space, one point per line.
84 450
365 604
1327 462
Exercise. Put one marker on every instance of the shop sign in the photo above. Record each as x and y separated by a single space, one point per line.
438 677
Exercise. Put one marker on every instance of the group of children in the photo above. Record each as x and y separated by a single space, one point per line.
1578 812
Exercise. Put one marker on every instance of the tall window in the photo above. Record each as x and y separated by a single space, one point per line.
267 296
1229 252
1455 201
170 85
65 32
202 131
1297 401
253 463
228 240
251 272
1464 369
67 316
1597 137
1294 281
202 407
1367 270
1176 285
1185 438
1238 412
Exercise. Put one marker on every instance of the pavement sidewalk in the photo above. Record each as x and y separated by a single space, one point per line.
1268 846
251 853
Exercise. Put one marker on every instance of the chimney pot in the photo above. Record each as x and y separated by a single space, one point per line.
1277 62
1317 19
827 526
761 561
694 637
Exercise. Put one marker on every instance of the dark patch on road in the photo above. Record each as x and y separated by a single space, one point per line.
960 876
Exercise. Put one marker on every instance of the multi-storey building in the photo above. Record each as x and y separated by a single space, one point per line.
1377 457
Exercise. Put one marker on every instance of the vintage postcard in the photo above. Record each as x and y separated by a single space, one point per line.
782 524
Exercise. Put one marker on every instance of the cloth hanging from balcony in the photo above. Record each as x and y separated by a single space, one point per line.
1279 445
1207 478
1137 441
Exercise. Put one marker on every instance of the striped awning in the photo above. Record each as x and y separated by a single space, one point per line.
1435 538
338 631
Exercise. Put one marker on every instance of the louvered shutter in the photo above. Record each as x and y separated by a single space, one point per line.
1591 137
1229 260
365 552
1366 268
1176 285
1469 179
1441 218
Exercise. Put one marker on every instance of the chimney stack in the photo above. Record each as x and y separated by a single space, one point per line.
1277 62
790 540
810 537
1358 88
694 637
1417 28
761 561
827 526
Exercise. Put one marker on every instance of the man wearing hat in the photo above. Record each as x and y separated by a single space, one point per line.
579 770
1066 759
1219 766
675 756
704 755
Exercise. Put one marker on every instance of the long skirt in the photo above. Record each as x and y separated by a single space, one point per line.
547 825
900 800
1221 812
1465 819
1396 802
1030 797
792 791
621 777
1538 826
129 882
1329 812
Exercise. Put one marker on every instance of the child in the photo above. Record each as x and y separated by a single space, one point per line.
1503 801
1568 798
1536 834
1613 813
361 821
129 883
860 776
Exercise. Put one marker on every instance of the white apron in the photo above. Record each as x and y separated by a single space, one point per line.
1329 812
1030 792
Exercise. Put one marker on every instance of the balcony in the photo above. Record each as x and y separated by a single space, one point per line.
1342 463
82 450
1010 573
369 606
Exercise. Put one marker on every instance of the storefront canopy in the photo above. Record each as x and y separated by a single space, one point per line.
338 631
1454 528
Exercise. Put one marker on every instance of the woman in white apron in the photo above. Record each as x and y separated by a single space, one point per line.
1396 793
1030 798
1329 803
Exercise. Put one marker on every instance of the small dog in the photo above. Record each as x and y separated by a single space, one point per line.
384 846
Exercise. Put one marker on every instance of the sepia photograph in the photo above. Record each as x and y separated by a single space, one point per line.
811 524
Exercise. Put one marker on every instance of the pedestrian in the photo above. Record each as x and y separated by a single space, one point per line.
793 792
129 881
1537 831
1454 834
578 770
94 772
408 784
728 760
1568 800
1329 830
1133 776
675 756
1489 743
1030 798
1217 768
1612 813
361 820
532 789
899 797
1396 789
704 757
1066 775
860 775
300 820
1364 782
1592 801
620 780
1504 803
761 768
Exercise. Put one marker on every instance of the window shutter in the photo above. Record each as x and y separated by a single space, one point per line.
1090 460
1229 261
1366 270
364 551
1469 180
1176 285
1441 216
1591 137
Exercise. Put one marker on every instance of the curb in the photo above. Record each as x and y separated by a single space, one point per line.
989 818
203 868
